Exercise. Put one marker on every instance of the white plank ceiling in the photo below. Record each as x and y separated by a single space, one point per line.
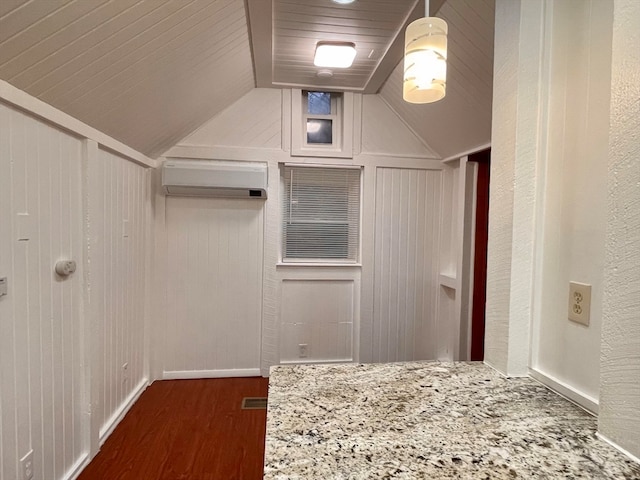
149 72
285 33
146 72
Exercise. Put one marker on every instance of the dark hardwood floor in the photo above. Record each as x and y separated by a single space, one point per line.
187 429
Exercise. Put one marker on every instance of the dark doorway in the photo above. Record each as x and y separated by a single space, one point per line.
483 159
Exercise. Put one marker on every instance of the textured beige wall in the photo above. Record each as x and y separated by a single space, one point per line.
515 144
619 418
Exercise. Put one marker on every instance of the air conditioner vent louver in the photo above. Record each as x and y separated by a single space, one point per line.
214 178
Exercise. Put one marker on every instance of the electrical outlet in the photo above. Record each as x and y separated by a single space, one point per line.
26 466
303 349
125 372
579 302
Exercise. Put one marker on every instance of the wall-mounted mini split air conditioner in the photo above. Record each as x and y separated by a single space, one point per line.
213 178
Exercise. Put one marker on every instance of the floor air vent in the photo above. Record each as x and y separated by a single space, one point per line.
254 403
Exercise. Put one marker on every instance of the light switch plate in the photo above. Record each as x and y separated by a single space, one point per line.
4 288
579 302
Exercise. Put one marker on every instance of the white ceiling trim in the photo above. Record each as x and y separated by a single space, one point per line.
282 45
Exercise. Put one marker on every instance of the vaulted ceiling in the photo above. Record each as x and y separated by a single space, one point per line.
149 72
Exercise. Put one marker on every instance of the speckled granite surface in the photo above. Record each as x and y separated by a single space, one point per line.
428 420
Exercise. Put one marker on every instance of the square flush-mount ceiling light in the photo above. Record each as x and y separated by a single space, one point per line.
334 54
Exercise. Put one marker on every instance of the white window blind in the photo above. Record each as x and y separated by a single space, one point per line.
321 214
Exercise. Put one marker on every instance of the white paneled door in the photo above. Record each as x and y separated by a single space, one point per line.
407 223
213 287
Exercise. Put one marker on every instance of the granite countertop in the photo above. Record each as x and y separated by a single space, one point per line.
428 420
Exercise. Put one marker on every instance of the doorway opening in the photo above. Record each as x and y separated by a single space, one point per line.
483 160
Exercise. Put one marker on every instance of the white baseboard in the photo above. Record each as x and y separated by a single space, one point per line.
618 447
193 374
119 414
316 362
590 404
77 468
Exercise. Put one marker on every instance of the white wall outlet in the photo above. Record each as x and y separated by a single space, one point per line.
579 302
303 350
26 466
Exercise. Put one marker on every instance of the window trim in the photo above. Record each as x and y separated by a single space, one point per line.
342 146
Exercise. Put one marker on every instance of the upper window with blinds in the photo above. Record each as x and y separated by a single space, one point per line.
321 214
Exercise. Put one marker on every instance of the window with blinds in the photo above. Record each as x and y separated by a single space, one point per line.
321 214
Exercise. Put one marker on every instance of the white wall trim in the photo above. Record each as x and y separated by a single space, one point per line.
497 370
318 362
89 337
110 425
400 155
392 161
77 468
158 273
280 265
225 153
618 447
466 153
588 403
22 100
227 373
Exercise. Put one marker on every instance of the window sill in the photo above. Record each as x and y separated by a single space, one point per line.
317 264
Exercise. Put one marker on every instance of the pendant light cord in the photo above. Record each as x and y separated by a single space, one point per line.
426 8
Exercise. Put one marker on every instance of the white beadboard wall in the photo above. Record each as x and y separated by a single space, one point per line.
41 324
575 195
320 306
407 219
213 287
395 138
319 314
243 123
63 341
118 216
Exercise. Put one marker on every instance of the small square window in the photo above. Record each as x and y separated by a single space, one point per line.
319 103
319 131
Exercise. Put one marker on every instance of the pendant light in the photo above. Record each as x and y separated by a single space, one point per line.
425 59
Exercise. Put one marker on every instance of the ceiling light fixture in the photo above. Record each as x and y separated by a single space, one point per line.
334 54
425 59
344 2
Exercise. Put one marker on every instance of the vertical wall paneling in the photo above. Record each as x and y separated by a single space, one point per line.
572 198
41 354
118 217
256 141
407 219
213 287
318 314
